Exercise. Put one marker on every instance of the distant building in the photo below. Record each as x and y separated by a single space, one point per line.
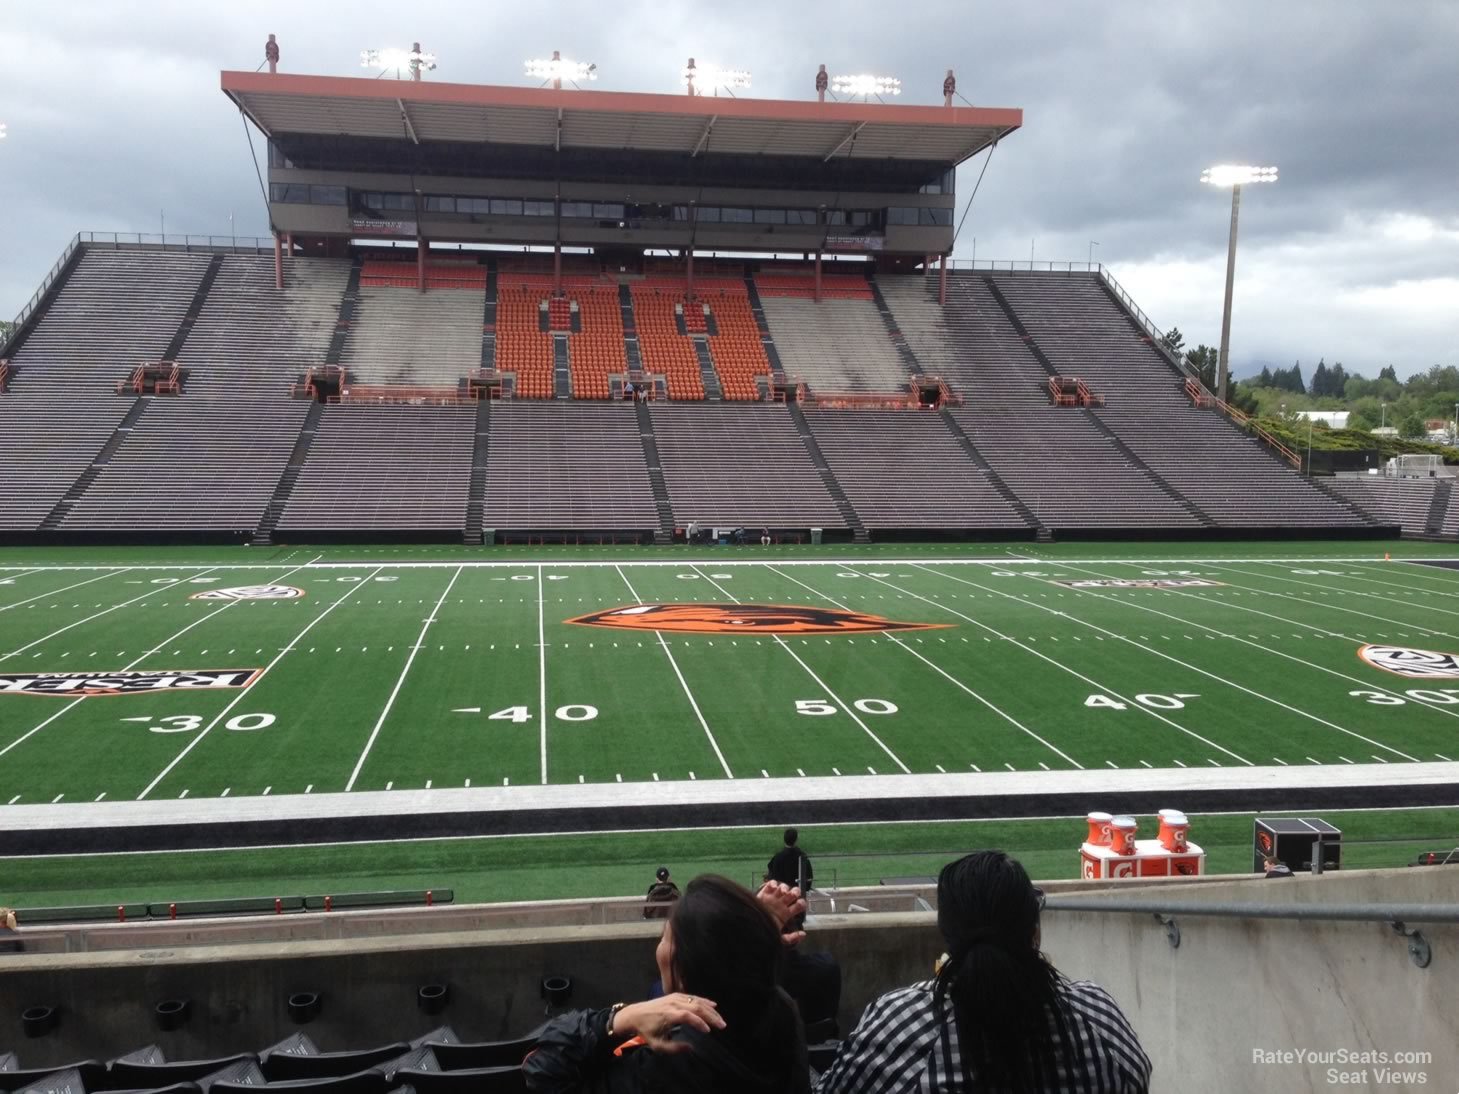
1333 419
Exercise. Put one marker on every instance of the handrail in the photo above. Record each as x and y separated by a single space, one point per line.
1156 335
34 302
1349 913
1202 398
1013 265
255 244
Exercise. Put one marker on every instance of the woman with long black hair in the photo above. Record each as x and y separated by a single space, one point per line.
998 1016
723 1027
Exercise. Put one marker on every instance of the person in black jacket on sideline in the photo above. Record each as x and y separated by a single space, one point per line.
723 1026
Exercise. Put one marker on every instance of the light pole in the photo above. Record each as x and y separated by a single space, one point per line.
1093 243
1309 446
1234 176
1383 416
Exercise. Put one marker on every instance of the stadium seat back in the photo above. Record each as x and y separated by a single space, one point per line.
372 1081
483 1054
289 1066
74 1078
481 1080
127 1073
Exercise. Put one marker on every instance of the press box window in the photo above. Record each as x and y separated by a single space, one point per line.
292 193
327 195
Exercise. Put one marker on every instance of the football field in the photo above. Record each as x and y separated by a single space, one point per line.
227 674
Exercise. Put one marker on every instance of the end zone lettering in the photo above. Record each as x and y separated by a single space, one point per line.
1140 583
75 684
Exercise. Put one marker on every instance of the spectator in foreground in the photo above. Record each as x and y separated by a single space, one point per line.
724 1027
998 1016
10 941
661 895
791 866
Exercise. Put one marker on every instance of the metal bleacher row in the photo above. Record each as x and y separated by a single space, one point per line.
234 446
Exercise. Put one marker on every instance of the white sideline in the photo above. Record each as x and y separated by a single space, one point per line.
1092 784
527 564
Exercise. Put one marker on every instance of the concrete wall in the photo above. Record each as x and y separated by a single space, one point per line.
1231 988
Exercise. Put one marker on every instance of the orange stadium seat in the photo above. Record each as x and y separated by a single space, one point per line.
663 348
738 353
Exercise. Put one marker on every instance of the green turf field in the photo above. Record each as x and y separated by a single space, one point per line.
404 668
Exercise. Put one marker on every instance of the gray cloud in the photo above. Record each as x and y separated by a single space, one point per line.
115 116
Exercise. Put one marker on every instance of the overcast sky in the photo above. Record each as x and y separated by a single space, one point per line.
115 119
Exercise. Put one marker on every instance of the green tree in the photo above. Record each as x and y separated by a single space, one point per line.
1320 378
1203 359
1358 419
1265 379
1243 398
1388 372
5 329
1173 340
1412 427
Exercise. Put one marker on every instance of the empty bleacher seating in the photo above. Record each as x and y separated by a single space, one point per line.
904 469
665 351
1401 502
1197 451
834 346
597 349
573 466
401 336
387 468
47 441
521 348
740 465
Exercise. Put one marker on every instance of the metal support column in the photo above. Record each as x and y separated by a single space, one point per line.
1221 364
942 280
818 277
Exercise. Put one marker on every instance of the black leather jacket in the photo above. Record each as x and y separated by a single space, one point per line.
574 1054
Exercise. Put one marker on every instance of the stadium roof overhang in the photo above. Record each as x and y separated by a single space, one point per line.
563 120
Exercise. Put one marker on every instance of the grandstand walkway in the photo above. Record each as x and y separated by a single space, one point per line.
713 390
899 341
194 309
101 459
348 304
263 534
1443 497
651 459
481 448
838 495
994 479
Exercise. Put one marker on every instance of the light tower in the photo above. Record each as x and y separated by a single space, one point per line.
556 69
866 86
413 60
1234 176
707 79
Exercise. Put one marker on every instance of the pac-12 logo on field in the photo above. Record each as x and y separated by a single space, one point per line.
743 618
251 592
1415 664
74 685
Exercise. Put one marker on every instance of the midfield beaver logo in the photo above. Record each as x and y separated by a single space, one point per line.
744 618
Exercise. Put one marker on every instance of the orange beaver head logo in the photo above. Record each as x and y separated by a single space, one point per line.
741 618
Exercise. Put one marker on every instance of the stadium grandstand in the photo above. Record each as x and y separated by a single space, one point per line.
768 283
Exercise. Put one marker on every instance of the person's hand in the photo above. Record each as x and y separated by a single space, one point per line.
784 903
653 1019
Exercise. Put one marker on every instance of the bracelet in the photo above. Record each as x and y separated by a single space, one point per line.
612 1014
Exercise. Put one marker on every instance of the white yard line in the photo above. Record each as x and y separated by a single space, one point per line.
389 703
1415 572
541 678
682 682
1389 600
160 646
67 589
1077 674
947 676
89 618
1321 603
1175 660
1441 708
192 744
811 672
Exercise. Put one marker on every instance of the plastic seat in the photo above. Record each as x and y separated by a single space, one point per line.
287 1065
485 1080
372 1081
149 1068
65 1078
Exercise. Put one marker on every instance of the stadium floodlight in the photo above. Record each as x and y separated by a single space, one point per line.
1232 174
557 68
2 131
1235 176
412 60
707 79
866 85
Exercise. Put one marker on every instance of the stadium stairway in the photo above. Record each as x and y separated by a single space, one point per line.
1443 493
960 435
103 457
1150 474
488 319
348 303
194 308
707 374
767 343
665 533
561 368
479 453
263 534
899 341
853 520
